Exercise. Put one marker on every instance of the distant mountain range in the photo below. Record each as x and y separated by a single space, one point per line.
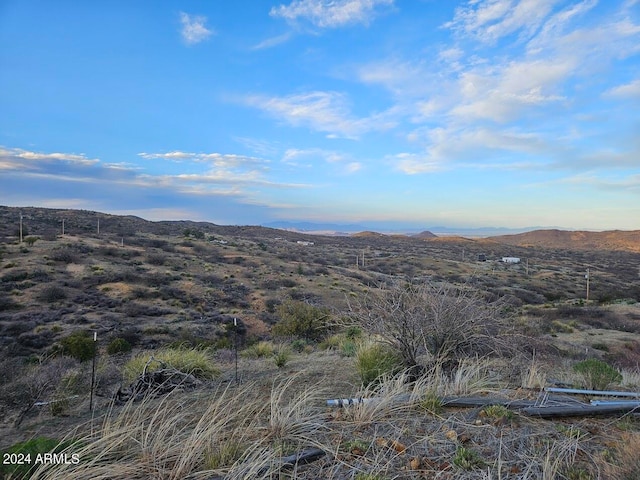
349 229
532 237
47 223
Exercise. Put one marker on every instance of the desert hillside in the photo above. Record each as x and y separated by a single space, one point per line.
575 240
171 303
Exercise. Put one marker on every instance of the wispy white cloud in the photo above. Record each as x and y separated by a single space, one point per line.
218 174
292 154
16 157
501 92
216 159
193 28
628 90
321 111
336 13
490 20
344 163
480 104
273 41
413 163
471 147
403 78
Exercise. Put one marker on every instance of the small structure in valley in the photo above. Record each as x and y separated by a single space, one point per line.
510 259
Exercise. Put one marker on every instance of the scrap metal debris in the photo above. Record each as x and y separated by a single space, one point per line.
551 403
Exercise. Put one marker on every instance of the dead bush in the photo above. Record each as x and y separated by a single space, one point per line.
444 321
52 294
33 383
157 259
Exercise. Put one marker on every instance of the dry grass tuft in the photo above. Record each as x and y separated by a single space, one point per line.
242 431
194 361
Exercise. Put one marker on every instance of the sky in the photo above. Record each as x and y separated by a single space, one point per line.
388 113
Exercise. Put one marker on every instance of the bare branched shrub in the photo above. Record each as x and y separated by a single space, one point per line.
34 383
442 321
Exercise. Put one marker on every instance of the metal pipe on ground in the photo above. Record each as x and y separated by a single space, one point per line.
592 392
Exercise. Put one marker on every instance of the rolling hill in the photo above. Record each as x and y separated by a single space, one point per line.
614 240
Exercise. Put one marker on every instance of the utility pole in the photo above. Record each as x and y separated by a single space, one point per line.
93 369
20 227
63 226
235 344
527 267
587 277
98 226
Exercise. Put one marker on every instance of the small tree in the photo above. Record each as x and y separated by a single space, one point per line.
300 319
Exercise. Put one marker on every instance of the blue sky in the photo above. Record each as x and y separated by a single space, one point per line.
398 114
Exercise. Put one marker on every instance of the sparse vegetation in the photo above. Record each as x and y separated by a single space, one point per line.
596 374
467 459
281 357
78 345
193 361
148 288
375 360
260 350
300 319
118 345
446 322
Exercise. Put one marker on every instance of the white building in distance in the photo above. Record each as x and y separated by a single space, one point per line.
510 259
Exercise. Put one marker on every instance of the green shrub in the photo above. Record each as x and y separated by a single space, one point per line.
195 361
259 350
597 374
298 345
467 459
281 357
353 332
78 345
118 345
332 342
561 327
374 360
432 403
30 240
299 319
497 414
348 348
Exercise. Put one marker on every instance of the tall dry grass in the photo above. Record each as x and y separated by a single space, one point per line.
243 431
231 433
